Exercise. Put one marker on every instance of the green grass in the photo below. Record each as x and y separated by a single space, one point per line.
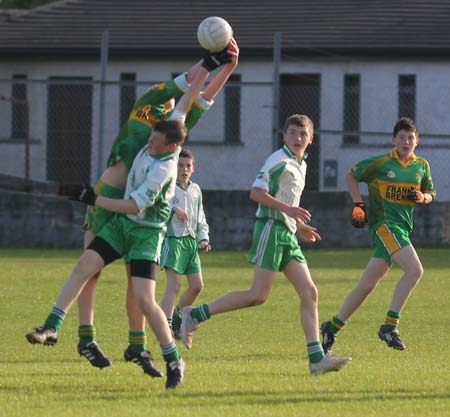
251 362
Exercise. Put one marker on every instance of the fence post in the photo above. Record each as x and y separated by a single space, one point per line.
101 122
276 89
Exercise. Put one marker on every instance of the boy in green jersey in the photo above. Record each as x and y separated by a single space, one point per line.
397 181
187 233
156 104
135 233
277 190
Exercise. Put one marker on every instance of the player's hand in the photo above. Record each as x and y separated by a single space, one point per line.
308 233
84 194
233 50
181 214
213 60
204 246
299 214
415 195
359 217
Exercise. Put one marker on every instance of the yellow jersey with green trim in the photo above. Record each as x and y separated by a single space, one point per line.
389 181
149 109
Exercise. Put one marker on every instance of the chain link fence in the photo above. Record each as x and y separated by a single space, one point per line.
62 130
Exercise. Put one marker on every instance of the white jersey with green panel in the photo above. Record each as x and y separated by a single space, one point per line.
151 184
389 181
283 177
190 200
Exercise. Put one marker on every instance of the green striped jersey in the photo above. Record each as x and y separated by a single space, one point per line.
389 181
151 184
190 200
283 177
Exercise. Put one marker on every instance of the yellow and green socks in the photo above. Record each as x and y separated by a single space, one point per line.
138 341
336 325
86 334
391 322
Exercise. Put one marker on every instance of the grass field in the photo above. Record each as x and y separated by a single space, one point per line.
251 362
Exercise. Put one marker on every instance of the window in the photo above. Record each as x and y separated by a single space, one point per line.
20 110
233 110
127 95
407 96
352 98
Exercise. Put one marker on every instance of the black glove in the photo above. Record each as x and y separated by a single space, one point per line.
359 217
213 60
84 194
414 195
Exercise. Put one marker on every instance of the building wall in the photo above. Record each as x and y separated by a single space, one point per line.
44 220
233 167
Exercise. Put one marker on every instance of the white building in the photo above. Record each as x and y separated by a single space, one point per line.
353 67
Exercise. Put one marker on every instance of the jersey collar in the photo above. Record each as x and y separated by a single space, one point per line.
394 155
164 156
292 155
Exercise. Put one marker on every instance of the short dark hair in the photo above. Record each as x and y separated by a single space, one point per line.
405 123
174 129
185 153
299 120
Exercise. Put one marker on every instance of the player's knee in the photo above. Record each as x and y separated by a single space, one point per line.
197 288
145 303
257 299
85 266
415 271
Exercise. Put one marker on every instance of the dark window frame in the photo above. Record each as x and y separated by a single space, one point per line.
352 108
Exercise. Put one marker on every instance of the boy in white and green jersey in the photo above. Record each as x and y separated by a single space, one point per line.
157 104
397 181
187 233
277 189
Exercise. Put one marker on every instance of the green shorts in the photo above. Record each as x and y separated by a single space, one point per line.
132 240
97 217
387 240
181 255
274 245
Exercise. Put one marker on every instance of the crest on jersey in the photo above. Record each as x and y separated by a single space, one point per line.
391 174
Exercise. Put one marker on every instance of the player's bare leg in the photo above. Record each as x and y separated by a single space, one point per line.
144 291
137 351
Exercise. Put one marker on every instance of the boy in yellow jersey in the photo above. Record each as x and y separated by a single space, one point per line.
397 181
155 105
134 233
278 189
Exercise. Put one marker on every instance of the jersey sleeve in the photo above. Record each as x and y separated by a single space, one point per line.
146 194
198 109
427 185
202 225
262 178
366 169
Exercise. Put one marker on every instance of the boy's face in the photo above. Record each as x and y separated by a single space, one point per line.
297 139
157 144
406 142
186 167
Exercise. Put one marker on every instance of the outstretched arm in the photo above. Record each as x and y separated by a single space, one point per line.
217 82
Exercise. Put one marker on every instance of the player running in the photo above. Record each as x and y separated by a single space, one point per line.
397 181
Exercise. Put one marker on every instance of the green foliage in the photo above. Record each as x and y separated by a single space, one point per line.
251 362
22 4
